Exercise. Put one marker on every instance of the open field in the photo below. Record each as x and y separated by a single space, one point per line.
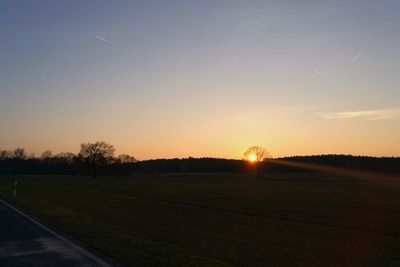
200 220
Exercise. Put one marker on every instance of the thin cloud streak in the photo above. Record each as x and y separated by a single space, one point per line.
357 56
379 114
101 38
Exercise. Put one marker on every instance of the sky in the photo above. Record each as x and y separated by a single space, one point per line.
206 78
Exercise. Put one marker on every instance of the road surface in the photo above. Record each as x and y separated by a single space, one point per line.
25 242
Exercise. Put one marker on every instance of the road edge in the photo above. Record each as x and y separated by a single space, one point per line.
63 238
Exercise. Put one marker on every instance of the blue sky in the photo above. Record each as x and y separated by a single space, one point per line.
201 78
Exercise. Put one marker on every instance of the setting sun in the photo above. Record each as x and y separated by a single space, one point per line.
252 157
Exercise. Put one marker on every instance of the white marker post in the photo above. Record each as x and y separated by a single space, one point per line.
15 189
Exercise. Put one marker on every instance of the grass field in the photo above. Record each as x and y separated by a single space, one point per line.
194 220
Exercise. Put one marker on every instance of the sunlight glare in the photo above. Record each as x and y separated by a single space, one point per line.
252 157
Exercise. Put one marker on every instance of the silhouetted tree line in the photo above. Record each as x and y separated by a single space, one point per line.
361 163
92 159
211 165
18 162
193 165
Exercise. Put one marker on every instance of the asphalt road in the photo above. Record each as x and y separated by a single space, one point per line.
24 242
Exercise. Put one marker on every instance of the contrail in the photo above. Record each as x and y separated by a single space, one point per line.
101 38
355 58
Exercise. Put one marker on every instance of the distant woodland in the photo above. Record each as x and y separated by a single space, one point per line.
17 162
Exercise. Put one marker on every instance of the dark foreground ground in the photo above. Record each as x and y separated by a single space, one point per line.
23 243
188 220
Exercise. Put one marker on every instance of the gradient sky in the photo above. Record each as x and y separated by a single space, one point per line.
201 78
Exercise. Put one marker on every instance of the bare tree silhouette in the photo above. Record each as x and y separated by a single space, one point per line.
46 155
46 158
256 155
19 155
6 154
126 159
96 153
